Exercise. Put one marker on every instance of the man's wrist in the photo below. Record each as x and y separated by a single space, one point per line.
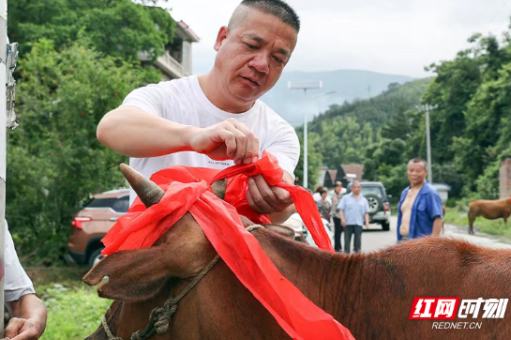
189 132
38 326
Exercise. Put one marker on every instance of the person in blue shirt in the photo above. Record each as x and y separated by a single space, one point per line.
420 205
353 210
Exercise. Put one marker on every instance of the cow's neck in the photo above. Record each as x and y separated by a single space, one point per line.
325 278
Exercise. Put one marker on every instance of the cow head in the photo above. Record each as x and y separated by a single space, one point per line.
182 252
136 275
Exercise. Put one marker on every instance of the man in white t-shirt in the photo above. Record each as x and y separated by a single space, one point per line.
216 119
28 320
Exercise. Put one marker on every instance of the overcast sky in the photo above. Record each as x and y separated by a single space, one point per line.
388 36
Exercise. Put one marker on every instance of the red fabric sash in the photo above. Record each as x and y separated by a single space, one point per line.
187 189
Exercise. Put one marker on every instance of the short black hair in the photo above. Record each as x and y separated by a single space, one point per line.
419 160
278 8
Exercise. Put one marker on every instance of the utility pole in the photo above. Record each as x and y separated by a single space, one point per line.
3 142
426 108
305 85
8 59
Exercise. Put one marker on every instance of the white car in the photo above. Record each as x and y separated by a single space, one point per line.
295 222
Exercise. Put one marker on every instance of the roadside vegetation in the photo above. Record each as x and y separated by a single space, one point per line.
74 309
78 60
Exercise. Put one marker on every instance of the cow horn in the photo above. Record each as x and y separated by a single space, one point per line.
219 188
147 190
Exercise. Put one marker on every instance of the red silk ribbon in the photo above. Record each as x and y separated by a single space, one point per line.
187 189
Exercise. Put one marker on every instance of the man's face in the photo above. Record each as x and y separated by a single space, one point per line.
252 55
338 188
416 173
356 188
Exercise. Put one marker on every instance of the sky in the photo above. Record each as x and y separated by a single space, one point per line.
388 36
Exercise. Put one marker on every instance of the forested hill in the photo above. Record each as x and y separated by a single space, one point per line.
344 132
339 86
395 100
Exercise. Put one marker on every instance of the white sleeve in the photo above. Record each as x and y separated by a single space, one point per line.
148 98
286 147
16 281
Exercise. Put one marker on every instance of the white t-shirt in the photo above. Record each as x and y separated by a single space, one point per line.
16 281
183 101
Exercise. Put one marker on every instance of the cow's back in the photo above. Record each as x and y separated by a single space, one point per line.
430 267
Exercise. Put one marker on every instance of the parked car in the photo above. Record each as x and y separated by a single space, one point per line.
379 206
92 223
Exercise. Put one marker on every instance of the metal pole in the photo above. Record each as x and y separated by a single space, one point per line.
305 148
305 85
3 142
428 145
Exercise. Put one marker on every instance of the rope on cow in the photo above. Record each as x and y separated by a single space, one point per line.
108 331
159 319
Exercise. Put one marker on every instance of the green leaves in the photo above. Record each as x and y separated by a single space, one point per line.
55 162
118 28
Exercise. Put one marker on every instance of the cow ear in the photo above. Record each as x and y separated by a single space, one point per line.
132 275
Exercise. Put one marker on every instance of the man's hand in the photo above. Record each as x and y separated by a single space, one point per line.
227 140
366 225
21 329
343 222
29 318
264 199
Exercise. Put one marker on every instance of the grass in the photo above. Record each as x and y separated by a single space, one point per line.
458 216
74 309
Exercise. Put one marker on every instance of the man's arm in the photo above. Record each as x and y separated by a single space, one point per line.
341 216
366 215
437 226
29 318
341 206
135 133
435 205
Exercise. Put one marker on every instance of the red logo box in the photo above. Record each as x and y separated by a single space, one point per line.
434 308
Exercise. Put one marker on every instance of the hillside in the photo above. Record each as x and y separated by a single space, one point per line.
378 110
345 133
346 85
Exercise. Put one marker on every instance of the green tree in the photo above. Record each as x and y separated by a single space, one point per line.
54 159
119 28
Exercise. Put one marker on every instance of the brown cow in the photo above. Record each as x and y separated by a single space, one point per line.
490 209
370 294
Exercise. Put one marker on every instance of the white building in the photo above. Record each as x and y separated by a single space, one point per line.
176 62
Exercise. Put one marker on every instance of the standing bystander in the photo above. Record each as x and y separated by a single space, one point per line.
324 205
336 199
354 209
420 205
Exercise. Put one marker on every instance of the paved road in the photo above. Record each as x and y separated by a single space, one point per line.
374 238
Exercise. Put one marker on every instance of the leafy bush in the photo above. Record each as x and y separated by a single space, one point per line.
54 161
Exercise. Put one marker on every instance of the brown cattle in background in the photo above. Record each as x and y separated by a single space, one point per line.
371 294
490 209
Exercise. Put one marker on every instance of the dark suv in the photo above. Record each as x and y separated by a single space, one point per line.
379 207
92 223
